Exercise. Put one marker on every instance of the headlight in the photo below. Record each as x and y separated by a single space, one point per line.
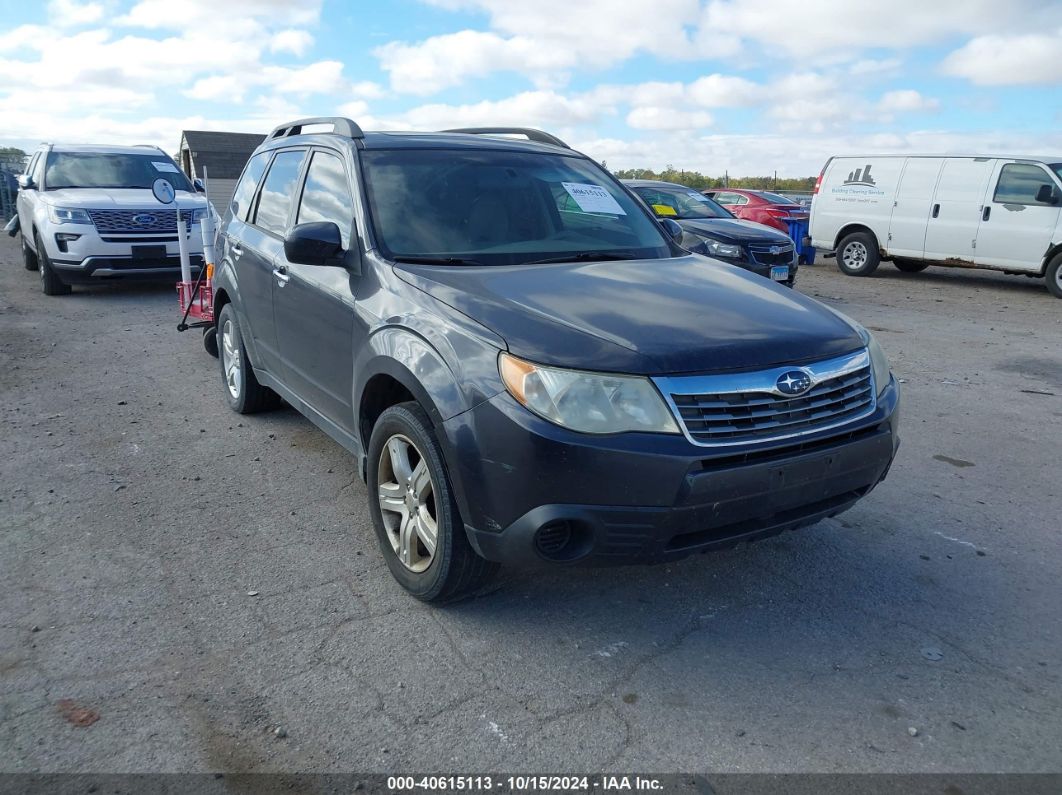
200 214
717 249
878 361
68 215
587 402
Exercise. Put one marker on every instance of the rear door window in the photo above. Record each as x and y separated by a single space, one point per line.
326 195
278 191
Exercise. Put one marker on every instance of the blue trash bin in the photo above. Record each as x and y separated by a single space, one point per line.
798 230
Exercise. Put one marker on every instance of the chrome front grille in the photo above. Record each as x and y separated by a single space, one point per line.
132 222
736 408
763 255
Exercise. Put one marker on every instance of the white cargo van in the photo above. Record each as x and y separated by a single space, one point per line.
991 212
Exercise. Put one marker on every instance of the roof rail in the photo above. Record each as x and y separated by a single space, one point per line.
531 134
340 126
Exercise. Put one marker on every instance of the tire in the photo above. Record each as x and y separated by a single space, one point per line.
857 254
242 390
1053 276
910 265
210 340
50 283
406 470
29 259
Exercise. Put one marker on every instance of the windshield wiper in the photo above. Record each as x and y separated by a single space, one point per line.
582 256
437 261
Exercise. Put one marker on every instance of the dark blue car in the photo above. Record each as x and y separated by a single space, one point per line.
525 364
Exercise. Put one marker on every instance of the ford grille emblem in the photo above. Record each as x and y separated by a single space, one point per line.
143 219
775 250
793 382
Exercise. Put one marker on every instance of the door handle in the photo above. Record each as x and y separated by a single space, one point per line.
986 213
237 252
281 276
936 210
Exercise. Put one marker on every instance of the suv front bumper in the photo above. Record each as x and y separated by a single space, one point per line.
534 493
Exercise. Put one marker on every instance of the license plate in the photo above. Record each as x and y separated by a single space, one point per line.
780 273
149 252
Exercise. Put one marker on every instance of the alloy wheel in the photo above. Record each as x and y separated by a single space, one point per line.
407 503
230 358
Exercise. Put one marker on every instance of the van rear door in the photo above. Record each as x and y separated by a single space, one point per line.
1016 229
913 206
956 210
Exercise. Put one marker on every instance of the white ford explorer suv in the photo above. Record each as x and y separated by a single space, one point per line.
87 214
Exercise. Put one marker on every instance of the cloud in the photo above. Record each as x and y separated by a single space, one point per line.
655 118
527 109
1000 60
69 13
546 41
905 101
297 42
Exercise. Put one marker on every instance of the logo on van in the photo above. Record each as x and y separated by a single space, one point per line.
861 176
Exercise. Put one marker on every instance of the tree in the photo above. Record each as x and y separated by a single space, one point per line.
12 158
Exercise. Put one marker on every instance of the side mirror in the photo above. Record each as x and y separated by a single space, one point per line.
198 185
313 244
1045 195
673 229
25 182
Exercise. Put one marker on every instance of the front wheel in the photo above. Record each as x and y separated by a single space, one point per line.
50 283
1053 276
29 259
857 254
242 390
414 512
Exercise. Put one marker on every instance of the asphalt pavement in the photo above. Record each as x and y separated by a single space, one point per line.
185 589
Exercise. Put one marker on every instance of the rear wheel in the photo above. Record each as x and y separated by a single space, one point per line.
29 259
857 254
50 283
414 512
242 390
910 265
1053 276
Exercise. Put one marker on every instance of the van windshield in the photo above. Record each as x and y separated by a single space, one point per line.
495 207
111 170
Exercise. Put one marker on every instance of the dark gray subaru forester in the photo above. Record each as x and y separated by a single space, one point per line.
525 364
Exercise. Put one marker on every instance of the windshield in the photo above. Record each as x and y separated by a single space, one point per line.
110 170
502 208
1057 168
681 203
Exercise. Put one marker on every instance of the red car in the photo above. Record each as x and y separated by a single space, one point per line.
760 206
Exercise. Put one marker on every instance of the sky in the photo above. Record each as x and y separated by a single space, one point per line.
748 87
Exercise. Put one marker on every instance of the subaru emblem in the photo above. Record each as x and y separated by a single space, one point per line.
793 383
143 219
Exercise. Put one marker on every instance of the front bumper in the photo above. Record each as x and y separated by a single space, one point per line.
531 492
93 256
93 270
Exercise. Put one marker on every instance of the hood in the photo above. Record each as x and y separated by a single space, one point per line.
648 317
734 230
117 199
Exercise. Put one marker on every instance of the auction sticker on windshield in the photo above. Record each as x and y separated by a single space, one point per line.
593 198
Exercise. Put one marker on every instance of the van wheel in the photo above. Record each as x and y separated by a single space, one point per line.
50 283
1053 276
857 254
414 512
910 265
242 390
29 259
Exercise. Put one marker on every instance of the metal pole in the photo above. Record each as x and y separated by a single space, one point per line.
182 246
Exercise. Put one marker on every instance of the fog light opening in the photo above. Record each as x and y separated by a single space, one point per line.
563 540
